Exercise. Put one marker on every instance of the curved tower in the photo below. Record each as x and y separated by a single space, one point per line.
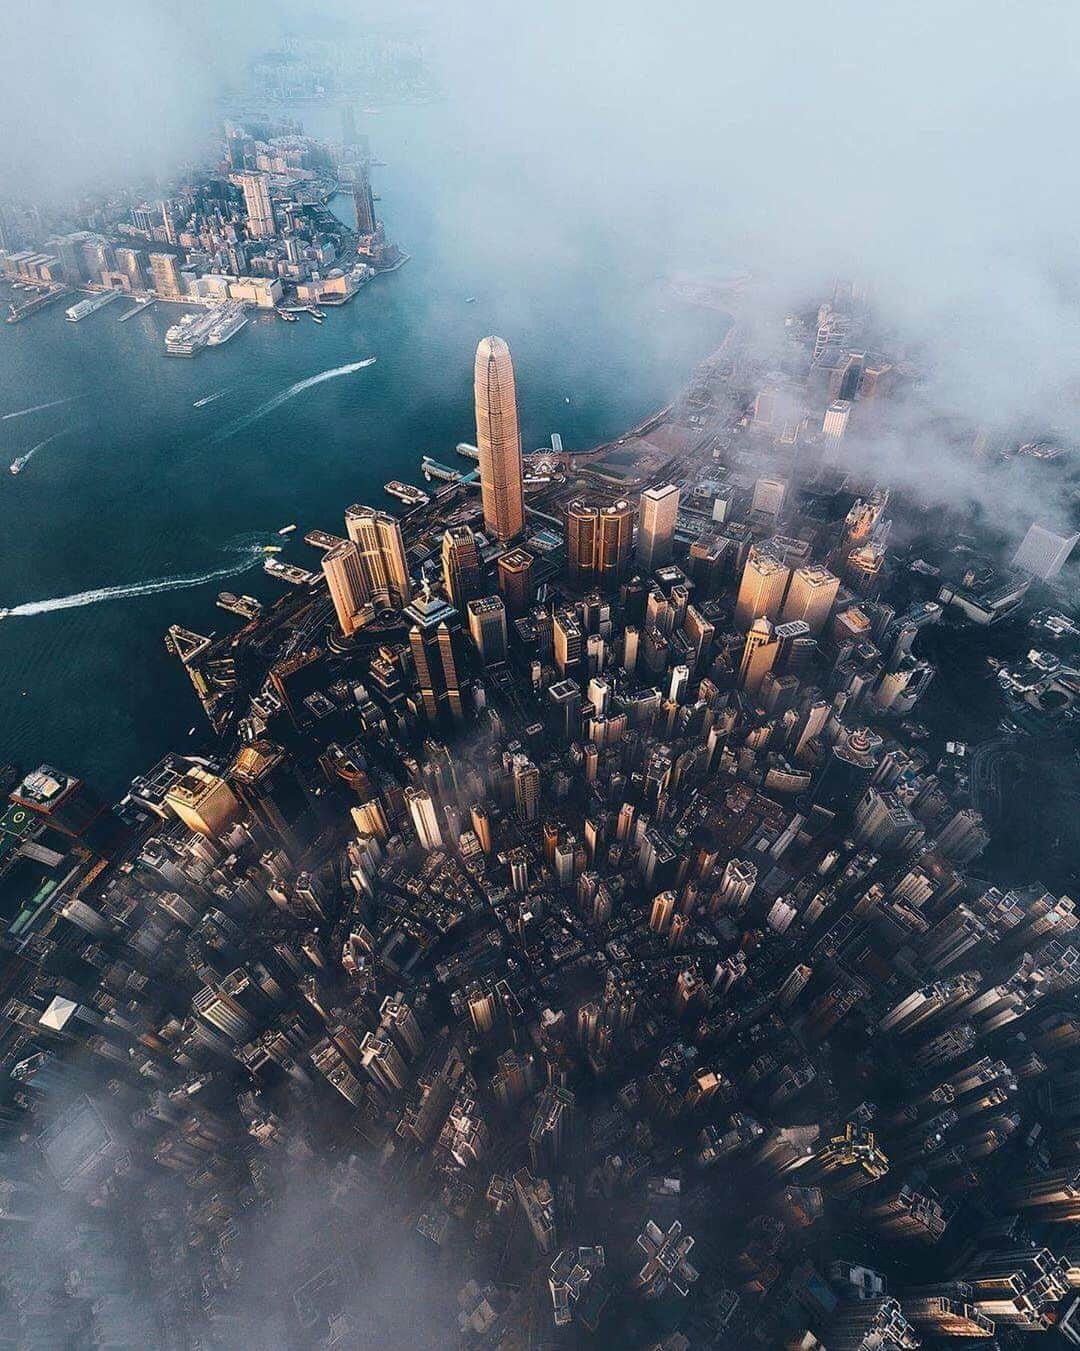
498 441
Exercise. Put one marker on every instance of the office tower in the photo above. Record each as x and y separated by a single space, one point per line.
598 541
487 626
130 263
963 838
736 885
883 822
759 653
863 570
1043 553
564 703
498 441
835 421
793 986
257 203
707 564
847 770
383 1062
663 908
364 202
657 512
203 801
461 565
435 641
165 275
526 778
347 583
581 531
515 574
378 539
264 780
769 496
761 591
425 818
666 1265
810 597
569 643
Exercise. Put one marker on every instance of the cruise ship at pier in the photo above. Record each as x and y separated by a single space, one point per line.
208 328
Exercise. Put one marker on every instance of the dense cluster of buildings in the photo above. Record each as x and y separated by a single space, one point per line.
599 902
255 229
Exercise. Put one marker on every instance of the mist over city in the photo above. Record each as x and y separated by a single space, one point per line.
539 676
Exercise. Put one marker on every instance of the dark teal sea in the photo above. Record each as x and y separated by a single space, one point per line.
136 488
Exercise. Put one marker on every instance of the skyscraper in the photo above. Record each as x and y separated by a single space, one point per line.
761 591
364 203
515 573
598 543
759 653
657 511
165 275
498 441
347 582
377 536
461 565
487 625
257 203
1043 553
435 638
810 596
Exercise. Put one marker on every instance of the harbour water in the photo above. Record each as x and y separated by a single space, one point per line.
116 521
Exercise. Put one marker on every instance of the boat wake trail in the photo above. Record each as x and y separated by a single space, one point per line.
39 407
251 555
242 423
28 455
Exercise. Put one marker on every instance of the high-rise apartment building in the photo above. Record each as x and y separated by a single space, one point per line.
461 565
498 441
378 539
657 512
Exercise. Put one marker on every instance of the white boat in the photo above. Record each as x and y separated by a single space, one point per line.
4 612
286 529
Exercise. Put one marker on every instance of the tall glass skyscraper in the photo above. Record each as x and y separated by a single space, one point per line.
498 441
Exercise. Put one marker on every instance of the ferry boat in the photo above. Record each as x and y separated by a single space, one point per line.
405 492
